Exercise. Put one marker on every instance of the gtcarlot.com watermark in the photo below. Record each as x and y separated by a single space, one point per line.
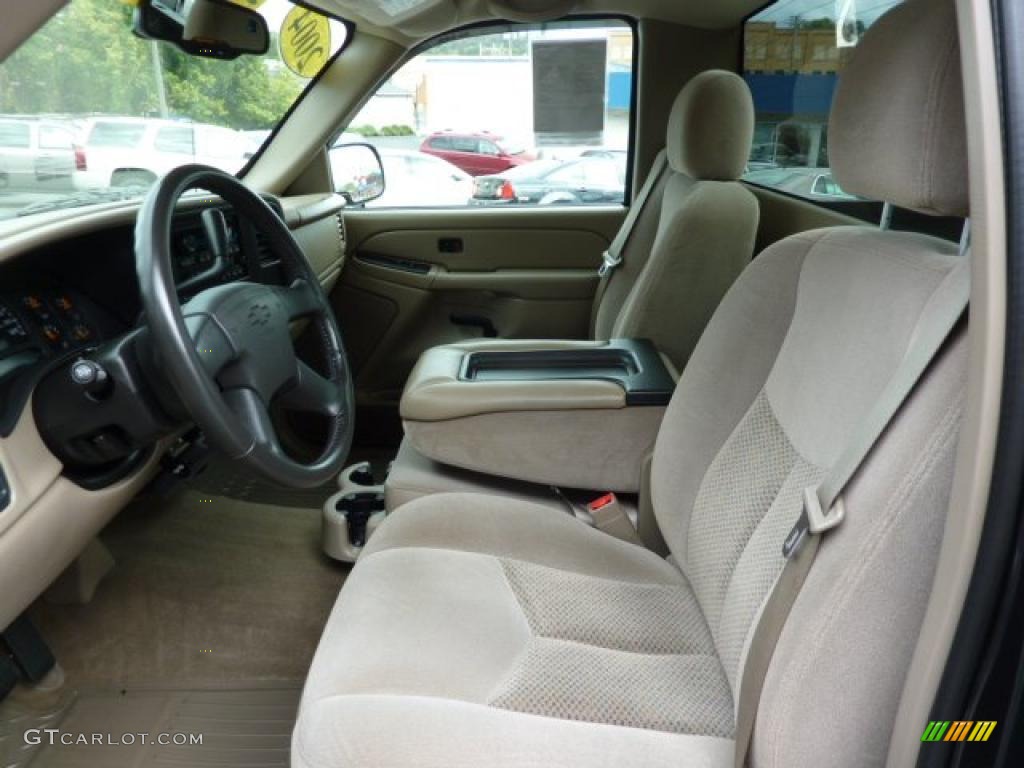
55 736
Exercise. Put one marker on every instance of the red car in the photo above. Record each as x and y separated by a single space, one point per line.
476 153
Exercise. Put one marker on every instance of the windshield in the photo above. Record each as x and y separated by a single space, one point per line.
91 113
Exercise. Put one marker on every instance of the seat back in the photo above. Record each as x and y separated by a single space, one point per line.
696 231
793 359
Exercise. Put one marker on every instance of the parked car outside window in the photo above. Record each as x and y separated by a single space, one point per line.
594 179
476 154
135 152
36 156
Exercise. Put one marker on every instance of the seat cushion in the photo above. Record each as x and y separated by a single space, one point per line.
471 632
413 475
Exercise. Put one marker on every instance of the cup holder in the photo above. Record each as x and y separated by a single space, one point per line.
361 474
357 509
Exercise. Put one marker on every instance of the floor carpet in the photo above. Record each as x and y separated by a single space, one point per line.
207 624
245 727
207 590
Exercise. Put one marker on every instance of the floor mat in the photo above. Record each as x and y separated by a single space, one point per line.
207 590
243 727
234 480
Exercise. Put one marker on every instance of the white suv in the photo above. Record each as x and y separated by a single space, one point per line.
36 154
127 151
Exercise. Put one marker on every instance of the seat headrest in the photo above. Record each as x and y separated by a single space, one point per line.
711 127
897 131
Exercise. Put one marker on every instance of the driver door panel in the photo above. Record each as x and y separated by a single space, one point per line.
417 278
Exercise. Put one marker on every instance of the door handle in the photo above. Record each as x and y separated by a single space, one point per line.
477 321
450 245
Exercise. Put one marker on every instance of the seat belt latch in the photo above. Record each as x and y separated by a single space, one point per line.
813 521
609 516
608 264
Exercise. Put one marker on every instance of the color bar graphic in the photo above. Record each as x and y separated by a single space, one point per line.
958 730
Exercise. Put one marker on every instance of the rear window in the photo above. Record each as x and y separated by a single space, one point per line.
15 135
793 54
125 135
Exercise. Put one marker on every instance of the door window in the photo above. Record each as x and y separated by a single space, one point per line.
15 135
521 101
794 52
115 134
177 140
54 137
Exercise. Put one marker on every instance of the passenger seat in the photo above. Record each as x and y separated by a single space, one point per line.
695 232
690 234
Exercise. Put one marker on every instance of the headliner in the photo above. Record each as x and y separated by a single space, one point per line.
413 20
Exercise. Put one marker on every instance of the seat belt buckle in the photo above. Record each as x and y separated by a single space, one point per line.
608 264
609 516
813 521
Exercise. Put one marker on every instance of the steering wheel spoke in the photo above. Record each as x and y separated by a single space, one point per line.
313 393
250 409
212 345
300 299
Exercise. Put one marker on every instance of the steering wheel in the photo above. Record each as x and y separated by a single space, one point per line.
228 352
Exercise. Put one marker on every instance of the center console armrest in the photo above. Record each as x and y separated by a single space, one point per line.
579 414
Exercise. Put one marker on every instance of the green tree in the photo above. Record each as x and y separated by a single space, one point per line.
86 61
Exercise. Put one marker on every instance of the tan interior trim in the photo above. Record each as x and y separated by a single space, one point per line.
29 466
976 452
18 236
435 392
784 215
50 519
22 19
338 95
307 209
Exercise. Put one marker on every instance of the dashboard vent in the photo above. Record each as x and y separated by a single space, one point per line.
266 254
264 250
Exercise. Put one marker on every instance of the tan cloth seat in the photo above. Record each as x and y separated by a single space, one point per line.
692 238
418 476
471 612
477 630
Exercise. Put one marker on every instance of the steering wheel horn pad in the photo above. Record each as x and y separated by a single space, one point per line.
228 353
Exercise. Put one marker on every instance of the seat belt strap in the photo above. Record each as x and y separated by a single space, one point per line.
823 508
611 259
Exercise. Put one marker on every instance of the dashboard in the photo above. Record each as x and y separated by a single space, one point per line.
84 291
72 458
76 294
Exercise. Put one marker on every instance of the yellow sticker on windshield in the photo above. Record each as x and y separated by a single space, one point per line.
305 41
254 4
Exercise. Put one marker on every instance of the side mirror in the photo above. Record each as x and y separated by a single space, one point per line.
210 28
357 171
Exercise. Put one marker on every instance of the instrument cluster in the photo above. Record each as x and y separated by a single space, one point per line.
47 320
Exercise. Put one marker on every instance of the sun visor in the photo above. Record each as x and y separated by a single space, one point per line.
531 10
415 18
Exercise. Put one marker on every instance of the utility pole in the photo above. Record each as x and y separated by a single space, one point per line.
158 74
793 63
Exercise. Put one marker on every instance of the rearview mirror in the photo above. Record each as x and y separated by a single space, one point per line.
357 171
215 29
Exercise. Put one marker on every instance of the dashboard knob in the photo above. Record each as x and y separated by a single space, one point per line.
90 376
